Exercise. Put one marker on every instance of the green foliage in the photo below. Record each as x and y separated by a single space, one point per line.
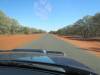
52 32
12 26
88 26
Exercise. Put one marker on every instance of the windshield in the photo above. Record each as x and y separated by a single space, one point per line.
51 31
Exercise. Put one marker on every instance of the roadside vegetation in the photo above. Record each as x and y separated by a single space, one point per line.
87 27
11 26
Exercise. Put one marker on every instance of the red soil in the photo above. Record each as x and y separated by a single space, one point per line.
90 45
8 42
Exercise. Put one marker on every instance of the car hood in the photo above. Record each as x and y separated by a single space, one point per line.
59 60
56 58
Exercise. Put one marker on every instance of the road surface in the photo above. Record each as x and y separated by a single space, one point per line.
50 42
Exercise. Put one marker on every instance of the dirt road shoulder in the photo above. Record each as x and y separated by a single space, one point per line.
8 42
92 47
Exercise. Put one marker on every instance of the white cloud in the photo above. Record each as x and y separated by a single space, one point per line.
42 8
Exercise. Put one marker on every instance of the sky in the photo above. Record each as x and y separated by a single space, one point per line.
49 14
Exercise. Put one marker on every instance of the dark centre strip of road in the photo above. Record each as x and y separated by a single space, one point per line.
49 42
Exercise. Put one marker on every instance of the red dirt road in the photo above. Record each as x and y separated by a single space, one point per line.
8 42
92 46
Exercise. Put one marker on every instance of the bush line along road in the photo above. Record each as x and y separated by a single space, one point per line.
87 27
50 42
12 26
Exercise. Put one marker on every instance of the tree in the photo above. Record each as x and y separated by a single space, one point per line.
26 30
88 26
12 26
96 24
